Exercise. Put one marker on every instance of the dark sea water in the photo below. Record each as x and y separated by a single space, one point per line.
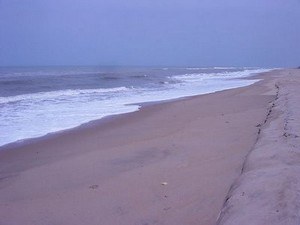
40 100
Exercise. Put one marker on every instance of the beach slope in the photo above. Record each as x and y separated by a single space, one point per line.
268 191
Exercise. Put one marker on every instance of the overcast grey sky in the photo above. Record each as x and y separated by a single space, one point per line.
150 32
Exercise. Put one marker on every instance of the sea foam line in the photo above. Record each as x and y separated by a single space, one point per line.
232 75
60 93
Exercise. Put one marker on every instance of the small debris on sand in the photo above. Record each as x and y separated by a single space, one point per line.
95 186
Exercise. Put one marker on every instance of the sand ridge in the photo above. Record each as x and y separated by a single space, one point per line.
268 190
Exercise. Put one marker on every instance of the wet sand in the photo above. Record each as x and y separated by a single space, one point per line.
169 163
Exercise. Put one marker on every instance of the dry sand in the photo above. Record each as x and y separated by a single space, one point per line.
268 192
169 163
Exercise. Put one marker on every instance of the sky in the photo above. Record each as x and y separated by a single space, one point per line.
263 33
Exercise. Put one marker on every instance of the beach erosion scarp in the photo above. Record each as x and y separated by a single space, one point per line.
267 192
179 162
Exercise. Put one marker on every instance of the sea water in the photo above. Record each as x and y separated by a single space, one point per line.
41 100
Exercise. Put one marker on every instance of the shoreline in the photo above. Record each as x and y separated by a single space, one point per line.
168 163
105 119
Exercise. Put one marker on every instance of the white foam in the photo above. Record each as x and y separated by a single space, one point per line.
219 75
59 94
34 115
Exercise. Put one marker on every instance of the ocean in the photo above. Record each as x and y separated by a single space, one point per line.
41 100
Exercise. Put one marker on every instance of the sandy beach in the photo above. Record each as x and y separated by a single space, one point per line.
191 161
